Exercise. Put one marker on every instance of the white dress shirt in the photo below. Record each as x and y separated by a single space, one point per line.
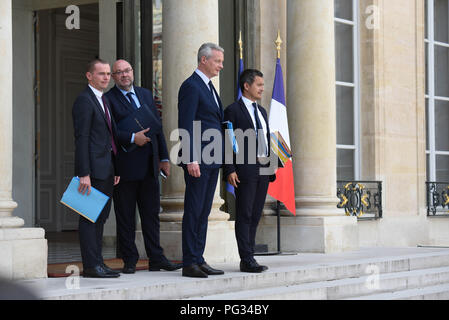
249 106
99 96
206 81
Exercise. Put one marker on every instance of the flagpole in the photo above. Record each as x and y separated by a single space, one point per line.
241 45
278 43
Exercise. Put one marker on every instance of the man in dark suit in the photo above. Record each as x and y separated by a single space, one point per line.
244 173
139 168
95 151
199 102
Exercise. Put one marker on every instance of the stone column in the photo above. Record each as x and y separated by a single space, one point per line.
179 62
23 251
311 106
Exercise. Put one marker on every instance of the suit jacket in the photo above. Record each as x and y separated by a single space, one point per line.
196 103
134 165
92 138
238 114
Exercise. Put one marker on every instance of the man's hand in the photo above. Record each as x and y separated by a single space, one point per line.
85 185
141 139
165 167
116 180
194 169
233 179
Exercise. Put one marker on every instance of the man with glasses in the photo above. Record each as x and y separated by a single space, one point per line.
140 167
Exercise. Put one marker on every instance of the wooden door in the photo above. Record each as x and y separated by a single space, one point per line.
63 56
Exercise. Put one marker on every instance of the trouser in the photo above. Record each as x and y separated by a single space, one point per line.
250 200
145 193
199 195
91 234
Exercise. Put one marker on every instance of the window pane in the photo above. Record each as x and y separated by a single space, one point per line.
343 9
441 20
441 125
442 168
345 115
345 164
344 52
441 71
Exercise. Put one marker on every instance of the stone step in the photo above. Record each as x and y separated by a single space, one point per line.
285 273
438 292
345 288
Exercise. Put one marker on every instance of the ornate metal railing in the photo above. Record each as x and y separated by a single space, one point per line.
437 198
362 199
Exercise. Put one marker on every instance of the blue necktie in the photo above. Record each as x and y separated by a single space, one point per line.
131 99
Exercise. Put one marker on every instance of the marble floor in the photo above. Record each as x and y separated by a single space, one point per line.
64 247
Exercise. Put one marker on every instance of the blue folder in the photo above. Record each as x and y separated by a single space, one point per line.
229 128
88 206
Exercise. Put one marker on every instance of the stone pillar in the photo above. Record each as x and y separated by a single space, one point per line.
179 62
23 251
311 105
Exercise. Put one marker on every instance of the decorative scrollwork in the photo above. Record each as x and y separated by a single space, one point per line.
437 198
360 198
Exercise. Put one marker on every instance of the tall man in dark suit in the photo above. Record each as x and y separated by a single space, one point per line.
199 102
244 173
95 152
139 168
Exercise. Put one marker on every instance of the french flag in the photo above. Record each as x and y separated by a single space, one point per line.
283 189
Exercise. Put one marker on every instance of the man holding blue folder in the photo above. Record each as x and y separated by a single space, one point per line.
245 174
96 141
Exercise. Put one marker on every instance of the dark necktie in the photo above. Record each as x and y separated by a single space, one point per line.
108 118
260 139
131 99
211 88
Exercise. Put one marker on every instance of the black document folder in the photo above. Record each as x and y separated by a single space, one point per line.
141 119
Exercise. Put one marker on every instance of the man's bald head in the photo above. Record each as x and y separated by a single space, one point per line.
123 75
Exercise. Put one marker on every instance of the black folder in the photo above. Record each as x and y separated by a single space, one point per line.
141 119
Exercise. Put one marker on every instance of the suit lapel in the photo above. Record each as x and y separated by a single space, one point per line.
119 96
244 109
139 96
206 90
97 104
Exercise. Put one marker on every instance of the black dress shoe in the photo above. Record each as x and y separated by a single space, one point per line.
193 271
209 270
129 269
250 266
165 265
264 268
98 272
109 270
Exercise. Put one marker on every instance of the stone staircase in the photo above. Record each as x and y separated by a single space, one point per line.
370 273
418 276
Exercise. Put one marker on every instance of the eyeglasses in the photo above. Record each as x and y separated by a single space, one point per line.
127 71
